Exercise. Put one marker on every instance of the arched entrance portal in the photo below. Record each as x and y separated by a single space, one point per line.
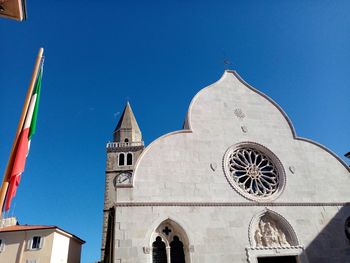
170 243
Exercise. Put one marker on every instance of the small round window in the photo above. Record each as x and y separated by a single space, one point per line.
254 171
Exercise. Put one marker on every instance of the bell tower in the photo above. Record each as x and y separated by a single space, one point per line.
122 154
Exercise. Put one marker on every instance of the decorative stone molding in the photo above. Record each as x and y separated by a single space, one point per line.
239 113
213 166
275 248
233 204
244 129
170 231
146 250
292 169
124 149
253 253
255 163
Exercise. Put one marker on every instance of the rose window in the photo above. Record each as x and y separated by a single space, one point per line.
252 172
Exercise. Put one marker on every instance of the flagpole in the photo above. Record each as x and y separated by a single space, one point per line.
5 181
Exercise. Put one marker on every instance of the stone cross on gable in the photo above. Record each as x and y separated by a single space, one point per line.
227 63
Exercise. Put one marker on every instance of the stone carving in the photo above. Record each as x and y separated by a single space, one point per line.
258 238
244 129
253 171
269 234
146 250
213 166
292 169
239 113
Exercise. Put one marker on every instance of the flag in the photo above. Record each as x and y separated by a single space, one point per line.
23 145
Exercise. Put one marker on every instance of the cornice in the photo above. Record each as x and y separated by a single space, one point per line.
125 149
274 248
232 204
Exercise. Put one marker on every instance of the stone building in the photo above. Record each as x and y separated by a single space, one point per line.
235 184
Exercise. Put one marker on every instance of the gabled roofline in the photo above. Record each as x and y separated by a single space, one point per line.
295 136
188 126
18 228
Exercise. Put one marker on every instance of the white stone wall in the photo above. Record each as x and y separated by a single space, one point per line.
221 234
186 167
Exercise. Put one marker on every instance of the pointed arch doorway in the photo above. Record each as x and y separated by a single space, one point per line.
170 243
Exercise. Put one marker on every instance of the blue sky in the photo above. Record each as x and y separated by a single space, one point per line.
158 55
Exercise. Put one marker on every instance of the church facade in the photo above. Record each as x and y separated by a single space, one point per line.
236 184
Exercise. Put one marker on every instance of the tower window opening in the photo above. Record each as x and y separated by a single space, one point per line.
129 159
126 140
121 159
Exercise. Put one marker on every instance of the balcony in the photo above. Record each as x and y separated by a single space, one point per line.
112 145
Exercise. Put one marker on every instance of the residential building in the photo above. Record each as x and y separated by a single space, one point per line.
38 244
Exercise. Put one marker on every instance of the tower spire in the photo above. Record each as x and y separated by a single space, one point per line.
122 155
127 129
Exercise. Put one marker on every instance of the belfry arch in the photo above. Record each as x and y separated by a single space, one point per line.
169 243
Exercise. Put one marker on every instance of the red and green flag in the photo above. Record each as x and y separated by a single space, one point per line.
23 145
